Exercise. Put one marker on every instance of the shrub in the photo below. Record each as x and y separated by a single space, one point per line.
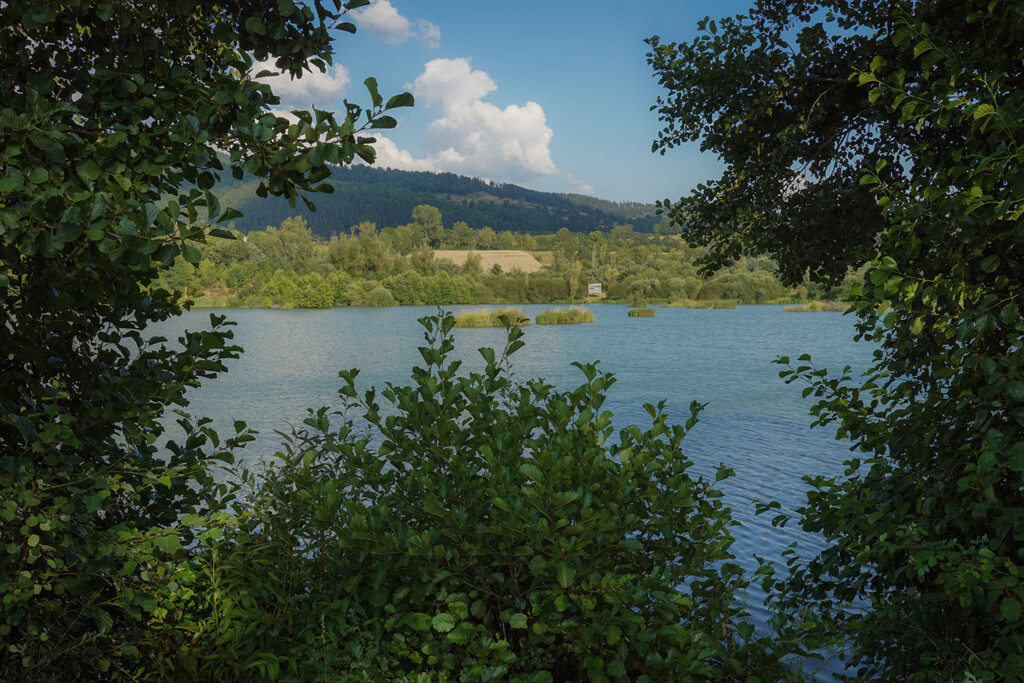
487 530
567 316
488 318
379 296
641 312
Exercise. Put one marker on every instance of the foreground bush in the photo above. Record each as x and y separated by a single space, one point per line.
484 530
566 316
641 312
488 318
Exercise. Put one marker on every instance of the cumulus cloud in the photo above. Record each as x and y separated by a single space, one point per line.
382 20
475 137
429 34
314 87
581 186
389 155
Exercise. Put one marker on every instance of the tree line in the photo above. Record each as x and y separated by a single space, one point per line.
287 266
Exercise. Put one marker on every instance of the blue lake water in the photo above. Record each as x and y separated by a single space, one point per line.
754 423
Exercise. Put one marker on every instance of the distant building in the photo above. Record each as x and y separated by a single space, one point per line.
594 289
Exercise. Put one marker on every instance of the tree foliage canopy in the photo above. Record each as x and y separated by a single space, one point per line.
116 120
892 131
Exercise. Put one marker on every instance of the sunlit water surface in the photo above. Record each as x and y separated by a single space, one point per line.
753 423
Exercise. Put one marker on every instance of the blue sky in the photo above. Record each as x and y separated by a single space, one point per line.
553 95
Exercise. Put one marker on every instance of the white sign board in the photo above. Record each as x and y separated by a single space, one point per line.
594 289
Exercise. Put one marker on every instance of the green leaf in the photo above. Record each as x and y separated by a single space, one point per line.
517 620
167 542
384 122
990 263
983 110
443 622
371 86
191 254
193 520
150 211
88 170
402 100
531 471
103 620
33 541
1010 609
229 215
565 574
417 621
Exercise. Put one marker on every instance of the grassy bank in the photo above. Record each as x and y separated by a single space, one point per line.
488 318
820 307
642 312
565 316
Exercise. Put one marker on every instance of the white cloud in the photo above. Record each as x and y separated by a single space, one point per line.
284 114
429 34
580 185
382 20
390 156
475 137
314 87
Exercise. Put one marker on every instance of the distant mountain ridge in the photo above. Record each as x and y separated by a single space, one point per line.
387 197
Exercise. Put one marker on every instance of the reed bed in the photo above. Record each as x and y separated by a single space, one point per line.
565 316
488 318
642 312
708 303
820 307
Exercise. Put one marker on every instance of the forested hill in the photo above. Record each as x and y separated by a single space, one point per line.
387 197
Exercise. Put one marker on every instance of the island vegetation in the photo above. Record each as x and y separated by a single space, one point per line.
565 316
477 527
712 303
502 317
645 312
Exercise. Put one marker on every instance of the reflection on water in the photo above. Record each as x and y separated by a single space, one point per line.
753 423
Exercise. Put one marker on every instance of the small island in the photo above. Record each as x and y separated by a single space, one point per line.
565 316
488 318
642 312
705 303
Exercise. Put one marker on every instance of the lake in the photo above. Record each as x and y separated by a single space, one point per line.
754 422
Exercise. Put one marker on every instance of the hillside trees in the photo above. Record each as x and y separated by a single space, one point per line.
891 131
116 121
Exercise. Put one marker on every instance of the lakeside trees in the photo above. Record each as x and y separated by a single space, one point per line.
286 267
903 124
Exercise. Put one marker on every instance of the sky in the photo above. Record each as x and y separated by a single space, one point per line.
553 95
